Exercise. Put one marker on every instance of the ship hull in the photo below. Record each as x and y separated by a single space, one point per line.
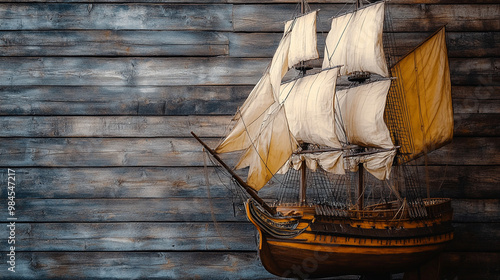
317 246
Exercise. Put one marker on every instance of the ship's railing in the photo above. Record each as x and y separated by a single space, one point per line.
437 207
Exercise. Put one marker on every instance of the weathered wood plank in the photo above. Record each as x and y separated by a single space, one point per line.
136 236
213 265
177 71
158 182
476 210
161 71
467 265
140 100
112 43
474 237
147 236
477 125
177 126
107 152
186 210
189 100
252 1
125 210
64 16
117 126
467 151
403 17
118 182
196 43
101 152
459 44
133 265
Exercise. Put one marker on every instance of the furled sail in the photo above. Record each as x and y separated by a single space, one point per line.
355 41
261 130
360 111
427 114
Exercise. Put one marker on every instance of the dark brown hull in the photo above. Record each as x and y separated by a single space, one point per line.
328 247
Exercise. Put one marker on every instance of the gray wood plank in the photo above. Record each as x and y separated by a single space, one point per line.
459 44
186 100
403 17
177 71
252 1
156 210
208 236
160 71
113 43
158 182
81 16
118 100
136 236
187 265
186 210
119 182
107 152
116 126
133 265
178 126
102 152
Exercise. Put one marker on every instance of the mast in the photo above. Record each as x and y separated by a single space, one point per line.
303 168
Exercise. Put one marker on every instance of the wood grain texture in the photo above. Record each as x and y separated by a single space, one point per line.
107 152
97 100
118 126
250 2
175 71
168 209
136 236
178 126
478 182
187 210
121 100
200 236
113 43
459 44
132 265
204 43
76 16
429 17
195 100
218 265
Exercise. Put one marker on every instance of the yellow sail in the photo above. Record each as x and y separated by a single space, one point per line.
425 107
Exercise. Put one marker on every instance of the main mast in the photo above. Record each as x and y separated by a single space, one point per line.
303 169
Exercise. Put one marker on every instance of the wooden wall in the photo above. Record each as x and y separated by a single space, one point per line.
97 101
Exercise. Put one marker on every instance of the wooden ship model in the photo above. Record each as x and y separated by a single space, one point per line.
342 142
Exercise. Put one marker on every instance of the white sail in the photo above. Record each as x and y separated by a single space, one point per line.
270 150
360 114
261 128
249 117
355 41
309 106
303 41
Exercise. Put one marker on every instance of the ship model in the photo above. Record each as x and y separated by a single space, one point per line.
345 144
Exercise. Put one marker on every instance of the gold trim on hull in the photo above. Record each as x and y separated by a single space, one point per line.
312 249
